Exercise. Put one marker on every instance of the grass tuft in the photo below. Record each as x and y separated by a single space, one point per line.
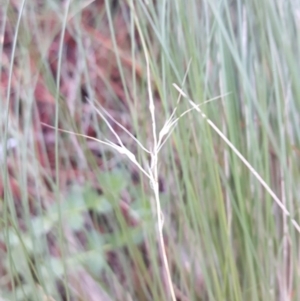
116 184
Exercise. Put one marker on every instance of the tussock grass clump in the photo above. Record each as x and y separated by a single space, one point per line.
149 150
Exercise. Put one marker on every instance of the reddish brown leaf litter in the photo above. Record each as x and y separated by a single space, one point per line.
91 48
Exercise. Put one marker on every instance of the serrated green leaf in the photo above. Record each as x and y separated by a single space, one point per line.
113 182
97 202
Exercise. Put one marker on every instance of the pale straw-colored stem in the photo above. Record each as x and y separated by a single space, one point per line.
243 159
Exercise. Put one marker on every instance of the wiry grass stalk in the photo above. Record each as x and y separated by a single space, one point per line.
155 185
152 174
57 151
243 159
7 207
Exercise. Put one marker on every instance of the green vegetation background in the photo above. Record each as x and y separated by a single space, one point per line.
78 219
